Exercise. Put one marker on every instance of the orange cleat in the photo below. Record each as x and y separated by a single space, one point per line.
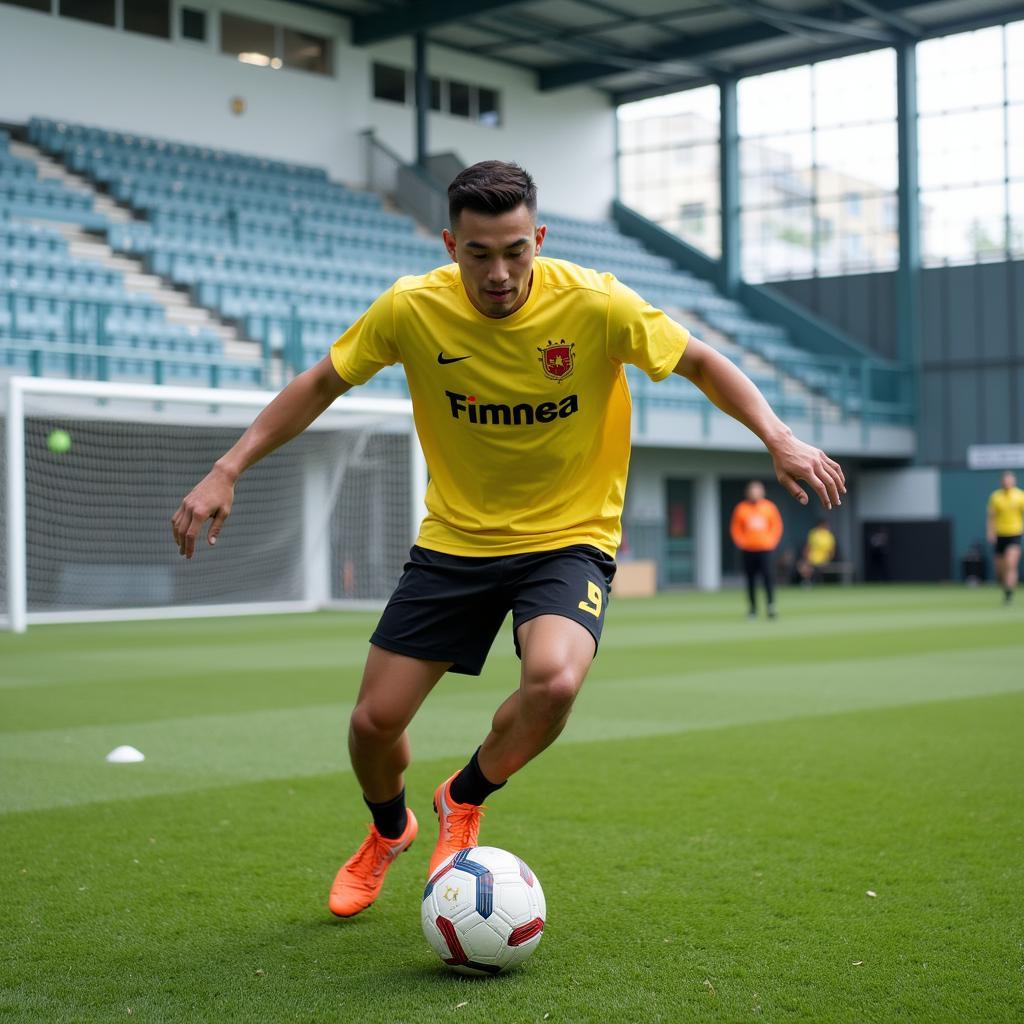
460 825
358 882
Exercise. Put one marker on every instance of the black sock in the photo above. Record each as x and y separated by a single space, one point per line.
471 786
390 817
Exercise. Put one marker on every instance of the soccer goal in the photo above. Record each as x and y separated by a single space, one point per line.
93 471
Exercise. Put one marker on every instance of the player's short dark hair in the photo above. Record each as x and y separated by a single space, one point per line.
491 187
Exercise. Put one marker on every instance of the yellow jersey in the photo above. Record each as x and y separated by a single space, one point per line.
525 420
1006 507
821 546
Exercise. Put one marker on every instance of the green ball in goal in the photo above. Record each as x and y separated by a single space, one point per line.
59 442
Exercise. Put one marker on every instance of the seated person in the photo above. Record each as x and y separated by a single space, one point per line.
819 550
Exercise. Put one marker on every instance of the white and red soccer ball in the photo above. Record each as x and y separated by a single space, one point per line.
483 911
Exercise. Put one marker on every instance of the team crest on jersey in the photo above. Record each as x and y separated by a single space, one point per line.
557 359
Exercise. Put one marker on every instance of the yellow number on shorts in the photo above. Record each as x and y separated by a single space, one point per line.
595 598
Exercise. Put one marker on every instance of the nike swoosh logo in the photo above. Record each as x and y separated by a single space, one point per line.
455 359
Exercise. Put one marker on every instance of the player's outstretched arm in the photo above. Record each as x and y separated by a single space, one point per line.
287 416
737 395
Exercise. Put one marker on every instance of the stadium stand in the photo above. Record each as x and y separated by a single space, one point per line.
291 258
63 315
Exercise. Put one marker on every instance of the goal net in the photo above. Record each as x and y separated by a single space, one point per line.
325 521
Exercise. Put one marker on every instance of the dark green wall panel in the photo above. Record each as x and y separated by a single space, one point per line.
972 347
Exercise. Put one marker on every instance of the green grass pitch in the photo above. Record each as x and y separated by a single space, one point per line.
707 830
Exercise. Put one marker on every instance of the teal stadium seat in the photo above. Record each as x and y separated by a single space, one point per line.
293 258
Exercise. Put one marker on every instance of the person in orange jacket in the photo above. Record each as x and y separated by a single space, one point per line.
756 530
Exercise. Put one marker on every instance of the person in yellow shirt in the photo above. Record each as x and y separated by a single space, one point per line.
516 368
819 550
1005 526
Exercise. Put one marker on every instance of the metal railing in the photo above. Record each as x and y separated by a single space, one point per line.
408 186
831 365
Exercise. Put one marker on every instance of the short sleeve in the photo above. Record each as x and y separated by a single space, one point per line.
369 344
642 335
992 501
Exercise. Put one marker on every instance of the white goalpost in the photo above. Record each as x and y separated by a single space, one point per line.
325 522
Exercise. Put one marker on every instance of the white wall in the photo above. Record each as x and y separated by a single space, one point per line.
566 139
899 494
70 70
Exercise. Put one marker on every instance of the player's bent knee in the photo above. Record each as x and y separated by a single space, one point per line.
371 726
552 692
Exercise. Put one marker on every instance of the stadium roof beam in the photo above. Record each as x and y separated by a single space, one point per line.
807 25
700 46
891 18
419 17
571 45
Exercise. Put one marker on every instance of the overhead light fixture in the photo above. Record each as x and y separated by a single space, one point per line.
259 59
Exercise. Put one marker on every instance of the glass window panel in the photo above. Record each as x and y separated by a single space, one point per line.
768 156
828 217
150 17
819 168
964 225
776 170
775 103
1015 120
960 71
251 41
855 89
629 131
857 233
1017 220
963 148
669 163
695 110
458 99
1015 61
389 83
697 222
778 242
193 24
32 5
488 107
861 157
99 11
306 52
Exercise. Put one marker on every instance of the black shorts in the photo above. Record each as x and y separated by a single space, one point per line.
450 607
1010 540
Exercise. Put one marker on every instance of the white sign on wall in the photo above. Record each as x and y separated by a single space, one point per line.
995 456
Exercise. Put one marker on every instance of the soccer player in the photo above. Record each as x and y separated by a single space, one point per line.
1005 526
756 529
819 550
516 368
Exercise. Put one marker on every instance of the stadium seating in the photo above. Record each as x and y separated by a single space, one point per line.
265 244
292 258
65 316
24 194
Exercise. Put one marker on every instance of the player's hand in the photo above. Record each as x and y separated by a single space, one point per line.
991 538
211 498
794 460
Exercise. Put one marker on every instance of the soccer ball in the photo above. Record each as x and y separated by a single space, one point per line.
483 911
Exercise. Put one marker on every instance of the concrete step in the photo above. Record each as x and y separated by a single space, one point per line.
48 168
236 348
178 306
